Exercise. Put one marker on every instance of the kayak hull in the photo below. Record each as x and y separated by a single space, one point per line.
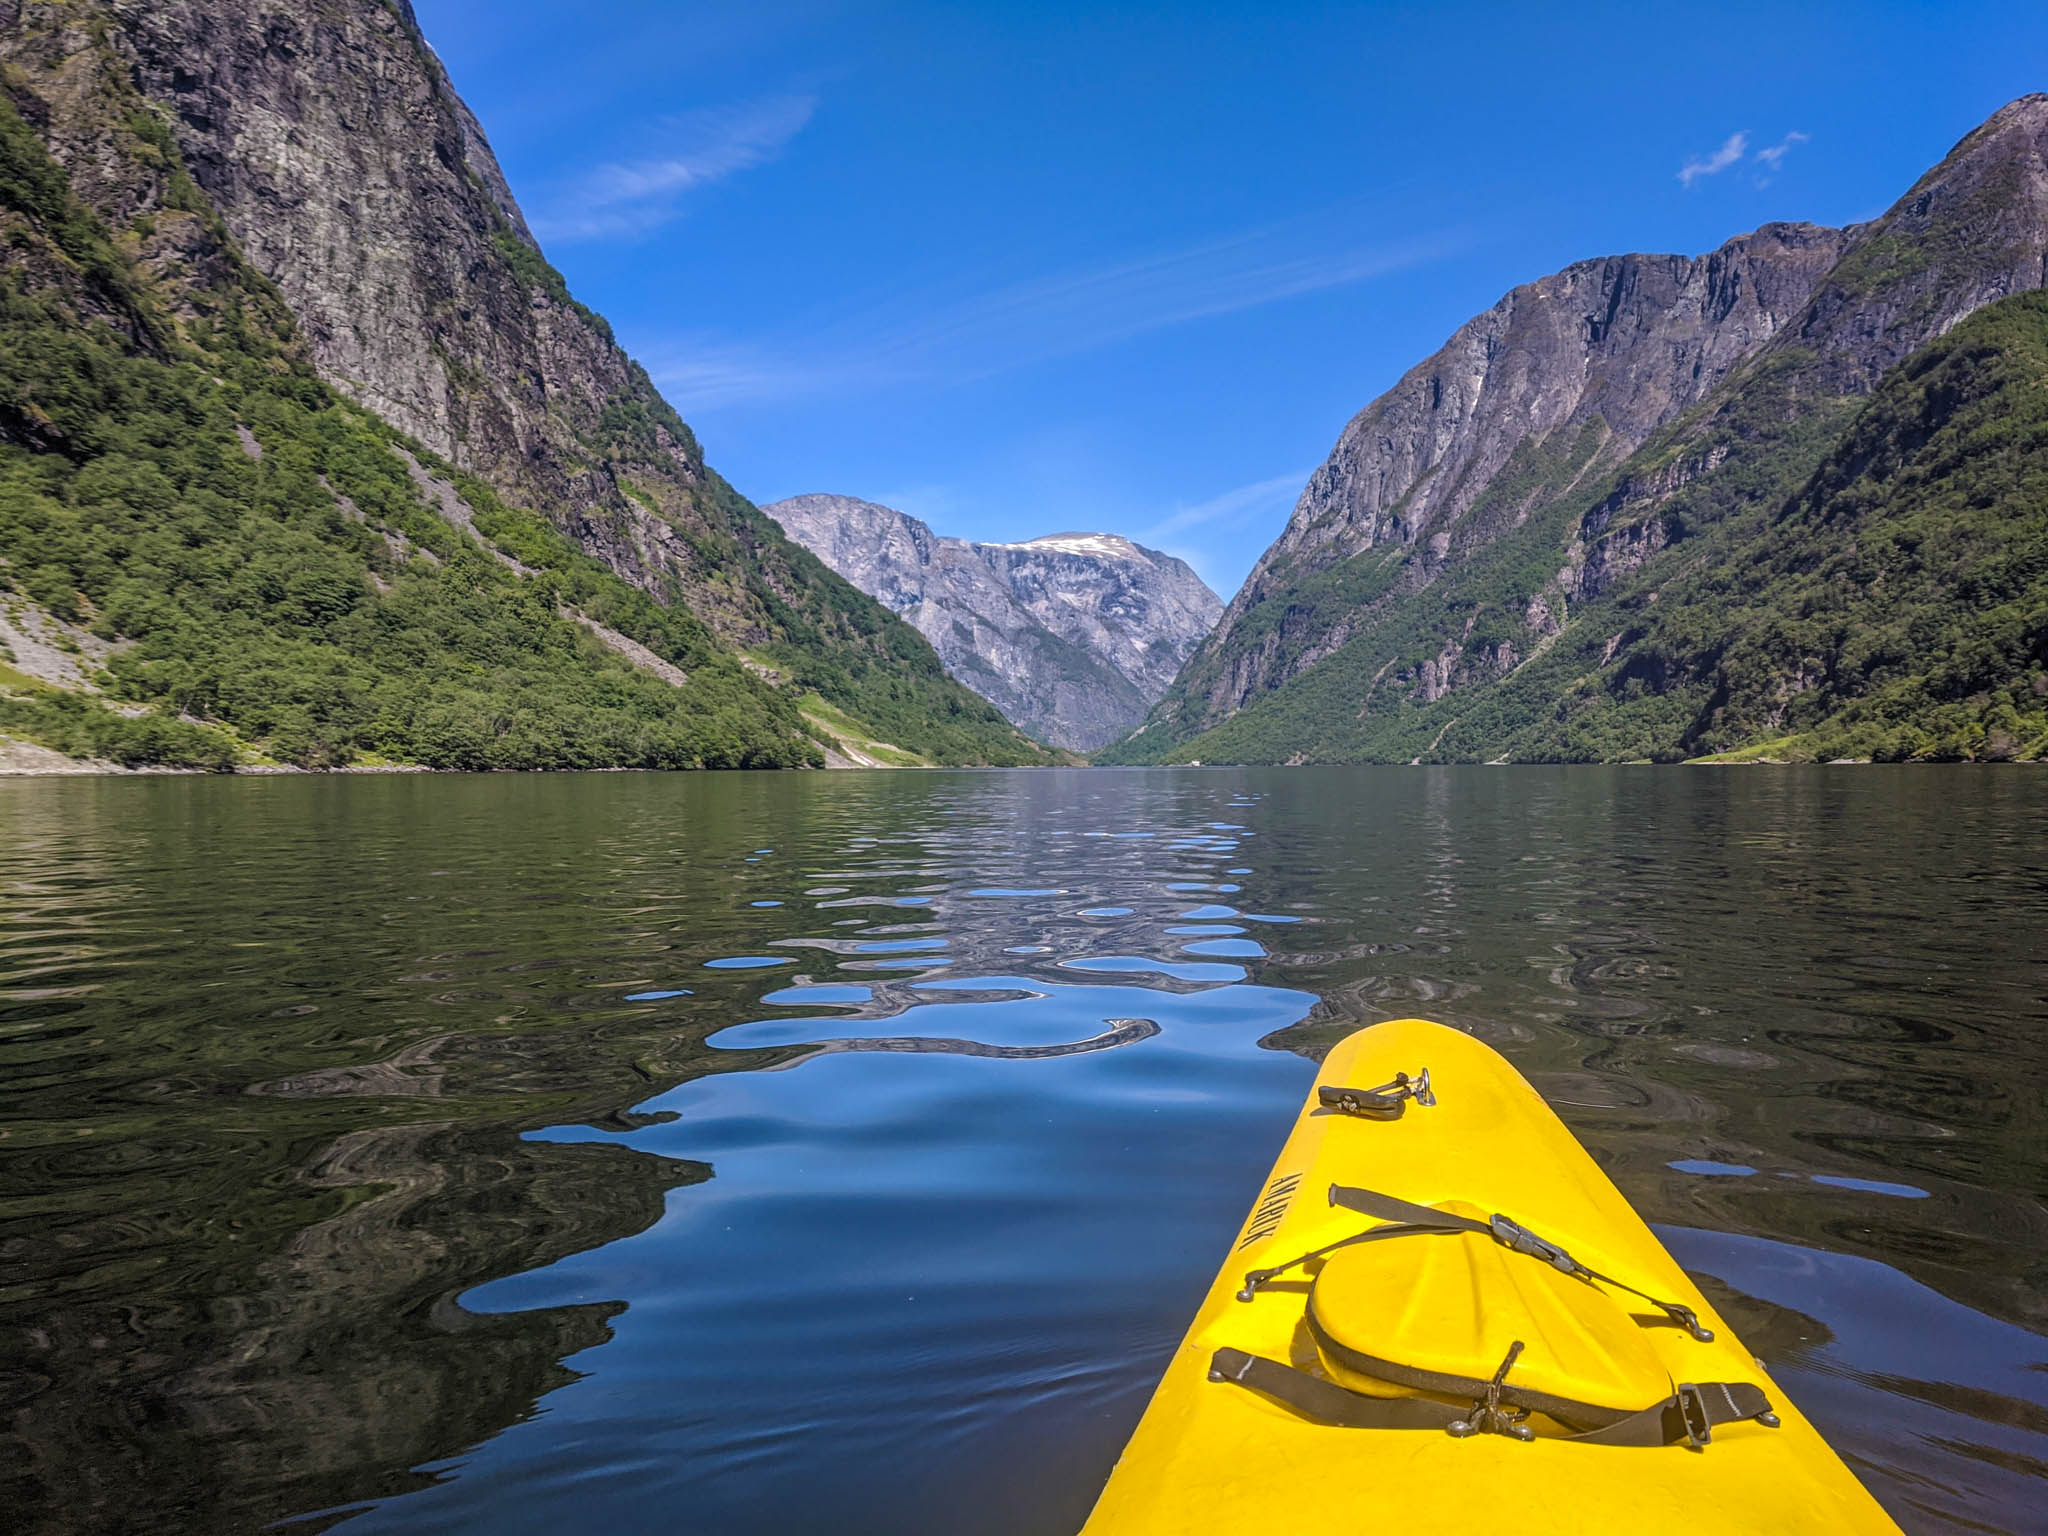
1215 1457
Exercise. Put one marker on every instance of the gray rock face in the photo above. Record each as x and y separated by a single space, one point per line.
1627 340
1072 636
1618 345
353 176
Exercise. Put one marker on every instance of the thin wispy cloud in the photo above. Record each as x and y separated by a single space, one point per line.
626 199
1079 311
1011 325
1773 156
1233 506
695 372
1731 151
1770 159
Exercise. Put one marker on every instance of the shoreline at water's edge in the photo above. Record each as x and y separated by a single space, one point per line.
30 760
26 760
75 768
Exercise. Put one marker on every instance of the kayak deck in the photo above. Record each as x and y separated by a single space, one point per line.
1215 1457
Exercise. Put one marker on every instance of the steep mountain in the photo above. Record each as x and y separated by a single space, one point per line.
280 225
1073 636
1522 551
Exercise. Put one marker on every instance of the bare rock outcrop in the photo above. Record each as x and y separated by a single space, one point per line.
1073 636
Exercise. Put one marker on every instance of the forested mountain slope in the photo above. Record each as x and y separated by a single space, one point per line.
1073 636
299 419
1566 601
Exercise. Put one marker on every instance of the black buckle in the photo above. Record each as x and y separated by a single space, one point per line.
1513 1235
1692 1413
1382 1103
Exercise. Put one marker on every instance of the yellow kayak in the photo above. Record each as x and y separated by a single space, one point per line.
1442 1316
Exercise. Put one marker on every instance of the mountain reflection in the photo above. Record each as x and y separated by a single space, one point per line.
242 1368
233 1244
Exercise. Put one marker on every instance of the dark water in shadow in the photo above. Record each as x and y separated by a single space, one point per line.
845 1152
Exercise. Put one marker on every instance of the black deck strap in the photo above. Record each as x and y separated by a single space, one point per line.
1404 1219
1687 1417
1255 1278
1370 1202
1509 1234
1324 1401
1385 1102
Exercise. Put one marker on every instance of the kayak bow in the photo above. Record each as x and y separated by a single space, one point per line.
1442 1315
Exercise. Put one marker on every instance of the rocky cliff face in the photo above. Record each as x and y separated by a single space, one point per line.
1558 383
1565 449
1073 636
343 167
352 176
1626 342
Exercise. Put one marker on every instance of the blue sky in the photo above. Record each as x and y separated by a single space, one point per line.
1021 269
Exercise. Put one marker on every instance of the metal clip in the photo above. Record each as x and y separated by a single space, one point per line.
1492 1421
1687 1319
1692 1412
1488 1417
1218 1373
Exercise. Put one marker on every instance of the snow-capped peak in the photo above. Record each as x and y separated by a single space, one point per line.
1109 544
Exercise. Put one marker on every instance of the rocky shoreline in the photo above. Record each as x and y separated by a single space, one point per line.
28 760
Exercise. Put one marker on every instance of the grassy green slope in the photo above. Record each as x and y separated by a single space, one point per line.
1898 605
1864 581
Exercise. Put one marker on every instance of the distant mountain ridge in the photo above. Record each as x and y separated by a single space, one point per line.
1073 635
1520 552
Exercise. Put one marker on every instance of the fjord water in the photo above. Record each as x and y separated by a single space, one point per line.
758 1153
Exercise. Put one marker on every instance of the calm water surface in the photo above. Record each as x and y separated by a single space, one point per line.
754 1153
